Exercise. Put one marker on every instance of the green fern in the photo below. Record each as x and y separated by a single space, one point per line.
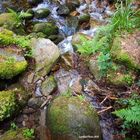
131 113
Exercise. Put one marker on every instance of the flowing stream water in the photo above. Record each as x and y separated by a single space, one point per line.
64 78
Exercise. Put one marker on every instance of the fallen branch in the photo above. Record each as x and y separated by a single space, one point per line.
104 110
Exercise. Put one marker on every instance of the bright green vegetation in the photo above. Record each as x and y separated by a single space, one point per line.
19 16
125 19
11 101
28 133
13 126
10 68
130 113
13 21
17 134
7 104
9 38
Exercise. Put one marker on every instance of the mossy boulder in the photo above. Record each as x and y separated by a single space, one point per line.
11 101
42 13
46 28
126 50
9 21
15 135
121 78
12 62
118 75
72 117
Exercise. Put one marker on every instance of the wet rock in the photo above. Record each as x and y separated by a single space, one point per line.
73 22
72 117
67 61
15 135
42 13
9 21
46 54
126 50
12 62
11 101
56 38
94 69
63 10
34 2
84 18
48 86
15 5
95 23
35 103
68 80
72 4
47 28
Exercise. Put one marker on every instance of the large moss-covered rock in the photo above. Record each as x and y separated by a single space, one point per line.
15 135
126 50
46 28
118 76
72 117
11 101
12 62
10 21
46 54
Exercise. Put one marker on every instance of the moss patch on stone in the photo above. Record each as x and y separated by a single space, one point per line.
11 101
46 28
10 21
122 56
72 116
9 67
14 135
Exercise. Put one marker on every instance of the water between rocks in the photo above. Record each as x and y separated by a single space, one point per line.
64 78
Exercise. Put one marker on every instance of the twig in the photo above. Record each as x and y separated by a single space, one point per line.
104 99
104 110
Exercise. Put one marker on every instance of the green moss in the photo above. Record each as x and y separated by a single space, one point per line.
11 101
58 125
6 37
7 104
15 135
72 116
11 22
9 38
46 28
120 79
10 68
121 56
